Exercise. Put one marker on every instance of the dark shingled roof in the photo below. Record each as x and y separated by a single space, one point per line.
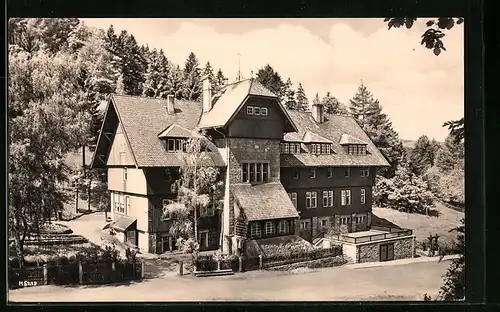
332 129
124 223
264 201
144 118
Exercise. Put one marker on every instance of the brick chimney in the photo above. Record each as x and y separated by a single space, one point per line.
207 94
170 104
318 113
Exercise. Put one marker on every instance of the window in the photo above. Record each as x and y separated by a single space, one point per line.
118 203
270 228
207 211
312 173
304 225
363 196
286 149
256 111
362 150
345 220
360 219
255 229
293 197
325 149
167 175
348 172
324 223
203 238
127 205
263 111
355 150
284 227
346 197
330 172
167 215
255 172
315 148
125 174
249 110
295 174
365 172
327 198
123 148
171 145
311 199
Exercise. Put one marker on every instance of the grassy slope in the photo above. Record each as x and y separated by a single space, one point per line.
423 225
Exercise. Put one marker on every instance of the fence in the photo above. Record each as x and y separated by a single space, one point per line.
75 273
240 264
391 233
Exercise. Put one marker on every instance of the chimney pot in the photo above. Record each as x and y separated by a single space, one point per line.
207 94
170 104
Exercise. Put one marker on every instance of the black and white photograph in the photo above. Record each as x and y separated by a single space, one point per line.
235 159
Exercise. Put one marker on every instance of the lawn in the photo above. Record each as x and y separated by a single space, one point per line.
423 225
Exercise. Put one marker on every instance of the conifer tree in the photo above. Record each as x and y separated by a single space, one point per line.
360 104
270 79
175 81
220 81
153 76
422 155
301 99
288 95
450 155
192 78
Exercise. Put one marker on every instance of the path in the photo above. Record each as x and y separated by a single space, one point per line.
398 282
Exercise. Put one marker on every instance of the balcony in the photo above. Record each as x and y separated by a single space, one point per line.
376 233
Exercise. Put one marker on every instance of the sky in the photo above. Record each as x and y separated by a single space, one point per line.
417 90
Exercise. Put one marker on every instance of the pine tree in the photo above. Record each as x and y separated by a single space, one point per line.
270 79
209 71
360 103
219 83
333 106
192 78
316 99
368 112
451 154
288 95
301 99
175 81
422 155
153 76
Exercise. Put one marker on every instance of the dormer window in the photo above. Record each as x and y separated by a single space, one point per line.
249 110
176 145
321 148
290 148
353 149
263 111
256 111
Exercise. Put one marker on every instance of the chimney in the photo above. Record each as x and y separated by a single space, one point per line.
318 113
170 104
207 94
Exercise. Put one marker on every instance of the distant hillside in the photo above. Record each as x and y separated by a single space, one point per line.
408 143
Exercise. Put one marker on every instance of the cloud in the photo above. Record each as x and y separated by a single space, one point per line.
418 90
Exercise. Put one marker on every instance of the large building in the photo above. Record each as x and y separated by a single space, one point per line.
285 173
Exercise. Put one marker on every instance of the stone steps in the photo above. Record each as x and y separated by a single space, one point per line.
213 273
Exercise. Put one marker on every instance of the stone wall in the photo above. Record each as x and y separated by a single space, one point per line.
403 248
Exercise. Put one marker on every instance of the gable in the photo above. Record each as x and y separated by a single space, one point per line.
120 153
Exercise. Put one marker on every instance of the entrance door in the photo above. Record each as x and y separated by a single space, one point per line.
203 239
387 252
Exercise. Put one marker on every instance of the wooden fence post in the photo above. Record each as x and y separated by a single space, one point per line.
218 265
80 273
142 270
113 266
45 275
260 262
181 268
240 262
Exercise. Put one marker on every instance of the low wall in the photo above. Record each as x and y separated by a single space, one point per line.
370 252
319 263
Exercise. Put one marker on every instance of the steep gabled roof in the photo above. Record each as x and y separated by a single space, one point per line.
347 139
332 129
264 201
232 99
144 118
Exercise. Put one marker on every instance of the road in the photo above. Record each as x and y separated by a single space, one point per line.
396 282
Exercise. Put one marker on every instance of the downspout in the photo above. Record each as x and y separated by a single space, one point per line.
225 211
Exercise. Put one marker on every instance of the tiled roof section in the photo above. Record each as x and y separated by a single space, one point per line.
256 88
349 139
332 129
226 105
311 137
144 118
292 137
264 202
175 131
